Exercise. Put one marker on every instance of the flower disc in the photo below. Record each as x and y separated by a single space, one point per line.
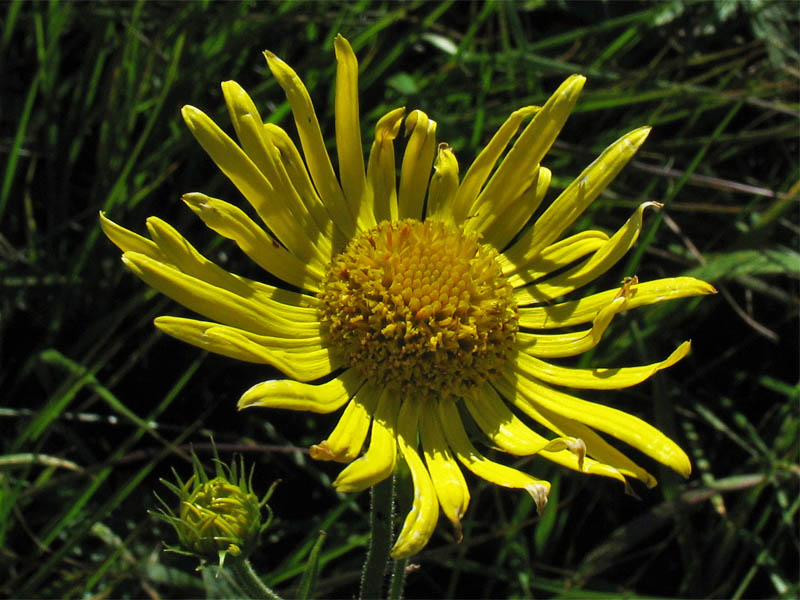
420 307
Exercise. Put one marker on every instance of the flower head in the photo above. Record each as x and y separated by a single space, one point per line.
219 516
415 301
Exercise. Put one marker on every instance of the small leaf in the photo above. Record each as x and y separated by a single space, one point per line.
309 579
772 261
403 83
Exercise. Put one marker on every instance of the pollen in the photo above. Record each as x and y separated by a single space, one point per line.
421 308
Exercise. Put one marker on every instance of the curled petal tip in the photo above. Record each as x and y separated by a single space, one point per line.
539 492
323 452
578 447
652 204
630 492
249 399
458 532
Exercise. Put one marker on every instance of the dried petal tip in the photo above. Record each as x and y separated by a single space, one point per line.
539 492
578 447
458 532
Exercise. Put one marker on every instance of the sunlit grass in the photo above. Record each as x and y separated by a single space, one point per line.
96 406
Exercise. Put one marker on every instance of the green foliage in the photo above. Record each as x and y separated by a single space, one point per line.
96 406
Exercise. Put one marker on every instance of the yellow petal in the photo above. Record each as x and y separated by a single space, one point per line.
345 442
250 181
448 480
348 130
292 395
186 258
194 333
291 160
483 467
302 307
127 240
444 184
518 168
417 162
585 310
421 520
504 428
571 344
583 273
563 252
497 200
599 449
240 104
231 222
381 170
574 200
319 163
300 364
594 379
297 342
479 171
215 303
621 425
380 459
593 443
500 227
285 203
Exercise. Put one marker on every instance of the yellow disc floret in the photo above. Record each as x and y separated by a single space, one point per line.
420 307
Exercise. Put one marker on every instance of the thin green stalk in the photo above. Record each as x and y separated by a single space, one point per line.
398 579
380 521
249 581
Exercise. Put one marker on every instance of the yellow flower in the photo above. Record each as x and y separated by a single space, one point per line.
413 304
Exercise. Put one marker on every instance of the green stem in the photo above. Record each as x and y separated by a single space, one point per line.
249 581
380 543
398 579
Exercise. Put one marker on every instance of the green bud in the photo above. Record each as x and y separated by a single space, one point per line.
216 517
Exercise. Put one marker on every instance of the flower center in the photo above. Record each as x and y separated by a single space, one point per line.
420 307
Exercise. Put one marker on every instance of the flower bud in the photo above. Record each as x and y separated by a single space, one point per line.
216 517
